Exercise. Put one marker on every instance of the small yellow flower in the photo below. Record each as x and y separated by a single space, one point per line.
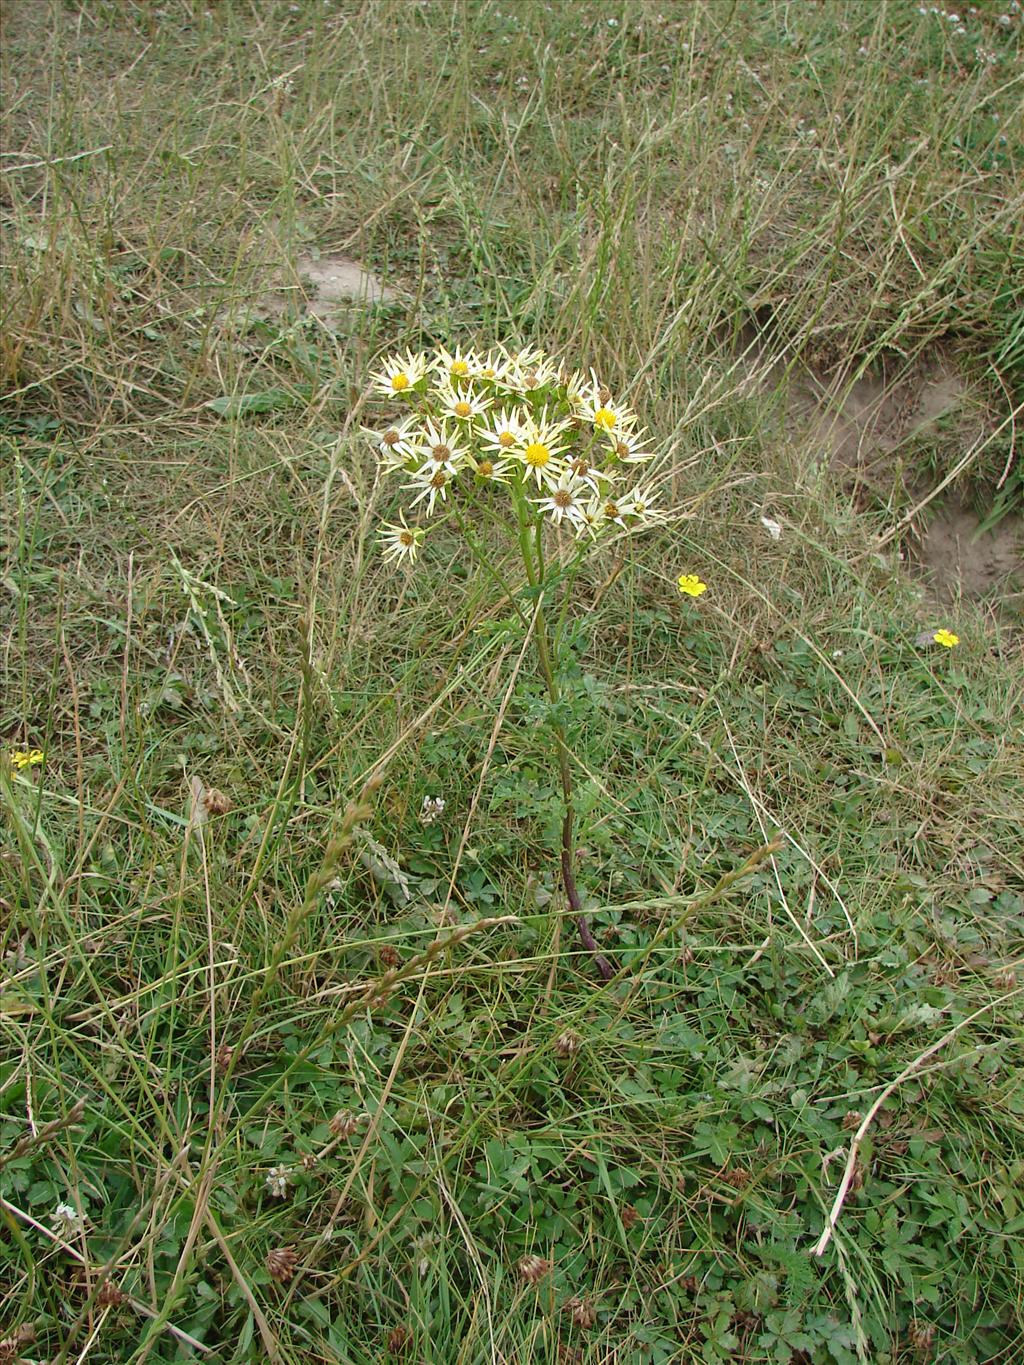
26 758
690 585
946 637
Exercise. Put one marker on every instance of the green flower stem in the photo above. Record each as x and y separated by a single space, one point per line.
535 577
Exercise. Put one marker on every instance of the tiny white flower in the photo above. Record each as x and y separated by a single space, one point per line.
432 809
277 1181
66 1219
530 370
583 469
600 408
493 468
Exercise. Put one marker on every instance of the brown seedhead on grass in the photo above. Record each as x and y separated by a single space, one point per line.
568 1044
582 1312
281 1263
399 1339
216 803
345 1123
534 1268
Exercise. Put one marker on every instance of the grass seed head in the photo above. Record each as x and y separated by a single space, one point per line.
281 1263
534 1268
582 1312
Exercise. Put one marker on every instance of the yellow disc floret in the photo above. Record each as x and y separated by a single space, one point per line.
399 382
537 455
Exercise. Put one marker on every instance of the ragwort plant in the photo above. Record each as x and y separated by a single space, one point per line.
514 440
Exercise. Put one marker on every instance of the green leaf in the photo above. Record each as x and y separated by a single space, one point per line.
243 404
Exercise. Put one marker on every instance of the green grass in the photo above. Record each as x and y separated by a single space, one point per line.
195 594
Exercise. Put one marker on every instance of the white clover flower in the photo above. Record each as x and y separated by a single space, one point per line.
277 1181
66 1219
399 373
431 810
401 541
563 501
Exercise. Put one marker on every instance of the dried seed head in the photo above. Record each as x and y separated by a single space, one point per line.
388 956
852 1119
399 1339
310 1161
10 1347
945 974
534 1268
344 1123
222 1059
215 802
737 1176
110 1296
630 1216
582 1312
281 1263
1005 981
568 1044
921 1336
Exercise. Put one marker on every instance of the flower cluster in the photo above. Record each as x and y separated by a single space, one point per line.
26 758
555 439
